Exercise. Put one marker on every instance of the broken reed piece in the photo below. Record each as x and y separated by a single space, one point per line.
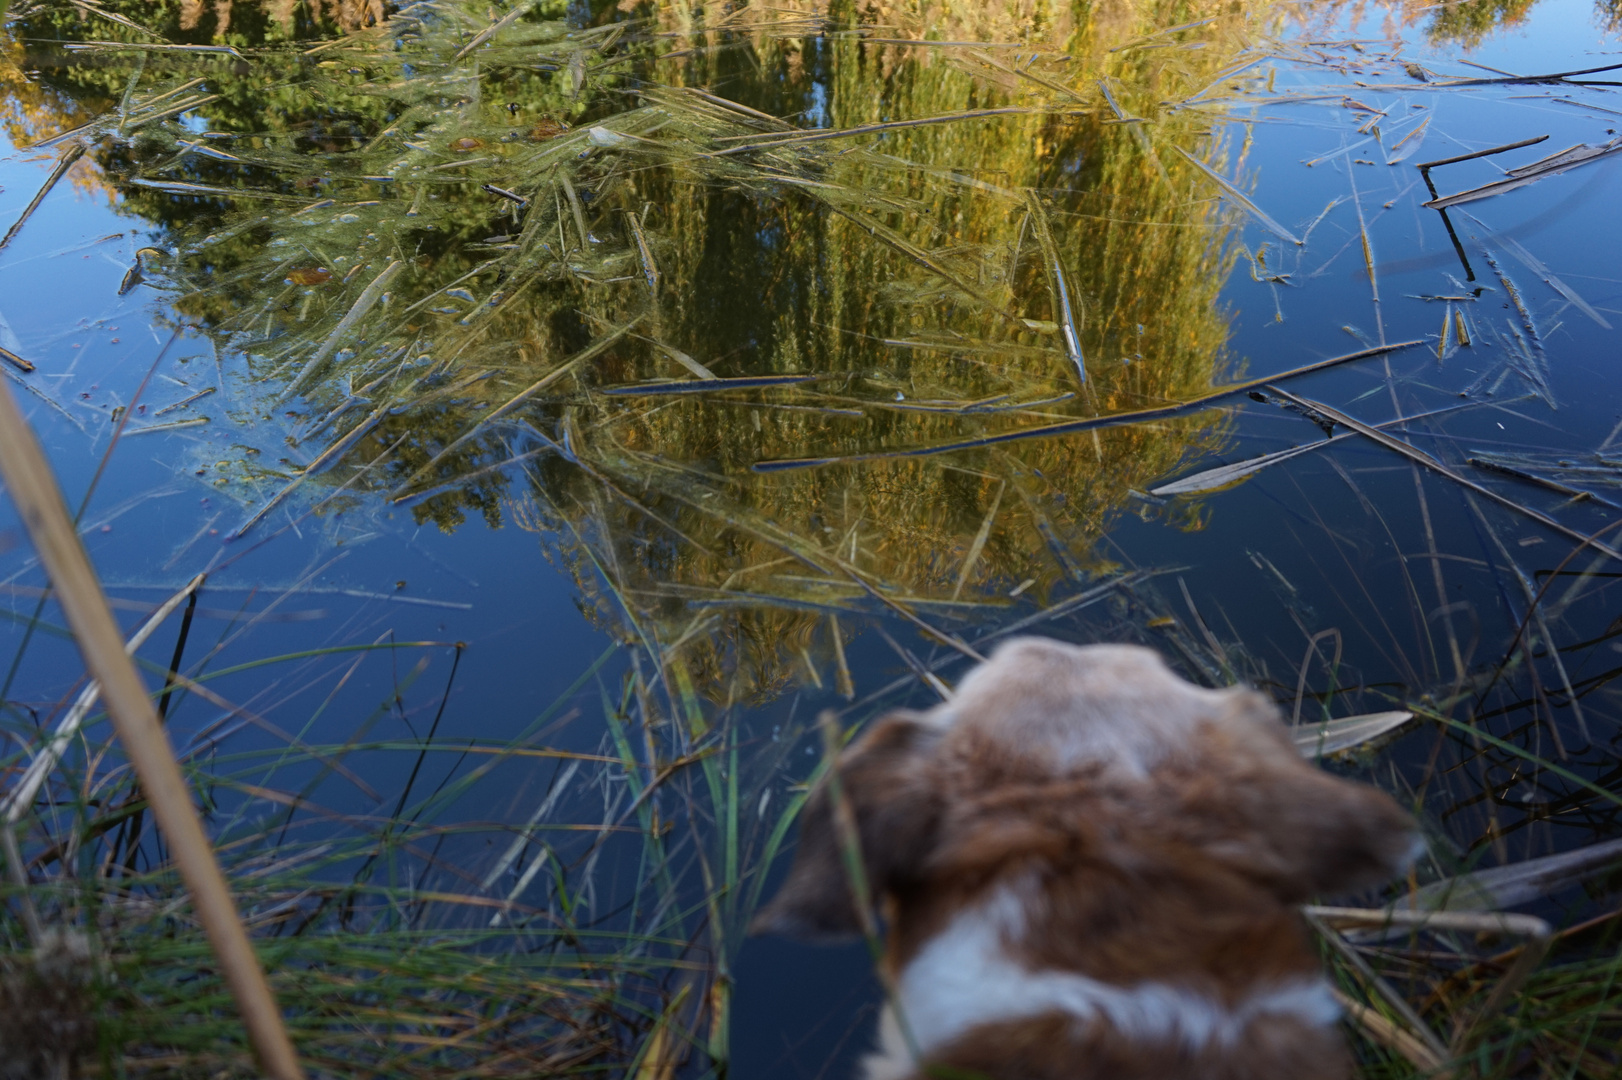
1537 932
1482 153
1553 165
133 46
505 194
1426 167
1393 1036
1527 80
63 164
493 29
33 490
1090 423
1427 1049
701 386
1433 463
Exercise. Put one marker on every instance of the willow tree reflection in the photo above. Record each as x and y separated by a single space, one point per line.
439 269
1468 23
767 270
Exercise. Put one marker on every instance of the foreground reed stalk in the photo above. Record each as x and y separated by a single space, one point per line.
33 489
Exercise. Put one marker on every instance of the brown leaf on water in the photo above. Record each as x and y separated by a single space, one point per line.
546 128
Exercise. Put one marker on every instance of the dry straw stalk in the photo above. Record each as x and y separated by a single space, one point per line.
39 503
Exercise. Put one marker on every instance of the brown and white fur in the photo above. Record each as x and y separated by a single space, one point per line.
1089 868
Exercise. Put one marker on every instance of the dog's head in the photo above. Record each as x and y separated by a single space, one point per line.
1049 749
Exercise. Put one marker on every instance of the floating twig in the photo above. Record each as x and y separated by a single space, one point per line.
183 402
1393 1036
173 110
1091 423
114 17
644 254
63 164
173 425
888 236
1480 153
705 386
1513 80
1536 265
363 304
1415 454
1054 265
1239 197
980 538
1538 933
128 46
324 459
1571 158
494 28
179 187
518 399
929 631
796 139
505 194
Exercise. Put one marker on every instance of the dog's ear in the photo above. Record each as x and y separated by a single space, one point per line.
1302 831
885 780
1316 835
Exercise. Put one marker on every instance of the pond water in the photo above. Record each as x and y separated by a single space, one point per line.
563 417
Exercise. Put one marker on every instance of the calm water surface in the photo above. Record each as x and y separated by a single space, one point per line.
468 459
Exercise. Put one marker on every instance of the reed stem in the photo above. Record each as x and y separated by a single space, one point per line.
39 503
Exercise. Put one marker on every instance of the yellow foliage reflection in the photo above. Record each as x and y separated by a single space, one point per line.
437 269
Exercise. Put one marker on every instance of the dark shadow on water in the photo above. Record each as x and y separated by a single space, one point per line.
803 1012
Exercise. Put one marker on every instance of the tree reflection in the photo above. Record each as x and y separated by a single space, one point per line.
394 244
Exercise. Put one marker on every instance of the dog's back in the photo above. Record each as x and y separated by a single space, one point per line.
1088 868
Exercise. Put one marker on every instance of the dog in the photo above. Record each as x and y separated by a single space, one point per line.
1088 867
